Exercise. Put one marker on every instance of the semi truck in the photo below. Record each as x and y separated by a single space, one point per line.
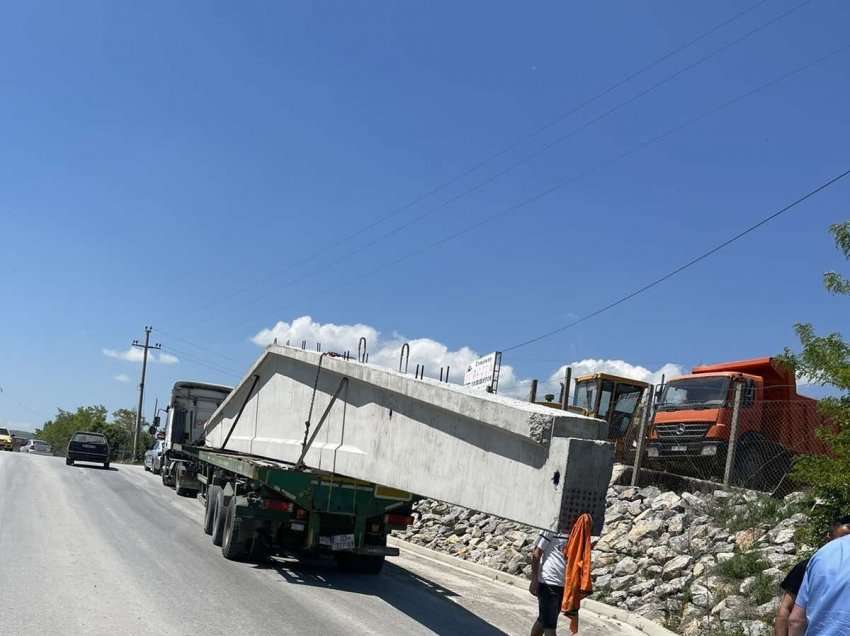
692 426
316 453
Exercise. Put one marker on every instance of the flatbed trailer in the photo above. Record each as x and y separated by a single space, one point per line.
257 507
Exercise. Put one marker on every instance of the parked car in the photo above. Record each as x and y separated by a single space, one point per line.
88 447
7 441
37 446
153 457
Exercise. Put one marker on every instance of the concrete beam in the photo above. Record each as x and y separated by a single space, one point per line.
525 462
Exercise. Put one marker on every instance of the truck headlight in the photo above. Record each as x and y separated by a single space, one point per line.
709 449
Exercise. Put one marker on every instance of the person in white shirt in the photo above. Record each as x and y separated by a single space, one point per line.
547 581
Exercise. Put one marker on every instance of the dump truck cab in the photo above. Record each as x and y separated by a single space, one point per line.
694 414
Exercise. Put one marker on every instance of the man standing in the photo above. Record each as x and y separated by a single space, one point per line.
822 607
547 581
790 586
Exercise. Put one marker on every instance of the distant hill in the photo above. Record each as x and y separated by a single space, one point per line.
23 434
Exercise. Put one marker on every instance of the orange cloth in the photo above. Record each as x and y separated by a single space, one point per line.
577 581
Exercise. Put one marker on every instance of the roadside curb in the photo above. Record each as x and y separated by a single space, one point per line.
601 609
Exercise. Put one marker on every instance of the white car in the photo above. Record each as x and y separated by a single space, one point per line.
37 446
153 457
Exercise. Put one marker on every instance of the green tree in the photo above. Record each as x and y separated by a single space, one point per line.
125 418
119 432
58 431
825 360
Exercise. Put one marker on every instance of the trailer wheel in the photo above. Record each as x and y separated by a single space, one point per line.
209 511
360 563
218 517
234 546
167 479
178 486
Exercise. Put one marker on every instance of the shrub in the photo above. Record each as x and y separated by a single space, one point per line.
742 565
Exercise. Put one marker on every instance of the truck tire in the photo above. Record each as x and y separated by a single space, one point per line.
209 511
69 461
218 517
775 478
747 466
234 547
360 563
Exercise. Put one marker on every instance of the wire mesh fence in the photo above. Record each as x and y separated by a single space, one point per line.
746 442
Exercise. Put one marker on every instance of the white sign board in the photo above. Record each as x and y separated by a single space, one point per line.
481 372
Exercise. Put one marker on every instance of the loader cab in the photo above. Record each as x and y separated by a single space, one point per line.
612 398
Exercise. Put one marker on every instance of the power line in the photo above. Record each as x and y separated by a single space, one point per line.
534 133
574 178
197 346
642 146
184 355
681 268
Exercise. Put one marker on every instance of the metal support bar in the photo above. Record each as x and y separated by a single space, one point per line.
568 378
241 408
532 392
313 399
343 384
733 434
361 349
641 440
404 358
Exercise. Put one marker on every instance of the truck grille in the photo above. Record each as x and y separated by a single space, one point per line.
682 432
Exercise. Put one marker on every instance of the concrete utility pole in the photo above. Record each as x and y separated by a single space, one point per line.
145 348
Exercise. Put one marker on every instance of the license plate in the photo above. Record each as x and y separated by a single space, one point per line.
91 446
342 542
679 449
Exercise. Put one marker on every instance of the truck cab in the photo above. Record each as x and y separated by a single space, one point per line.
191 405
694 413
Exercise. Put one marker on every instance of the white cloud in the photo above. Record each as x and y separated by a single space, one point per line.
435 355
614 367
122 377
805 380
134 354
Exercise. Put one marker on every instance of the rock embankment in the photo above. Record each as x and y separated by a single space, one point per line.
696 562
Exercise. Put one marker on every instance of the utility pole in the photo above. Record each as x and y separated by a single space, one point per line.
145 347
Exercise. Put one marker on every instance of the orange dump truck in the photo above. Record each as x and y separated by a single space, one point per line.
692 424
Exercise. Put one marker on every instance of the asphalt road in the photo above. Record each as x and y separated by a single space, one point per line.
90 551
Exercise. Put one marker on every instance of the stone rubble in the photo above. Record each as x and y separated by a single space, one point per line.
657 557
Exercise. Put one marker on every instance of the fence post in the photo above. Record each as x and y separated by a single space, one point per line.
641 441
733 434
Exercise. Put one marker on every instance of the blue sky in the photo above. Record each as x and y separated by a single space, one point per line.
202 167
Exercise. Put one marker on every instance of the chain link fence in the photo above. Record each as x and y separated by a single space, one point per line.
748 442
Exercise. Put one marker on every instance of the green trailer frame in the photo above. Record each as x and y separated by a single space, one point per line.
310 508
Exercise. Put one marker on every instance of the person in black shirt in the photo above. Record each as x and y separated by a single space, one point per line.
790 585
